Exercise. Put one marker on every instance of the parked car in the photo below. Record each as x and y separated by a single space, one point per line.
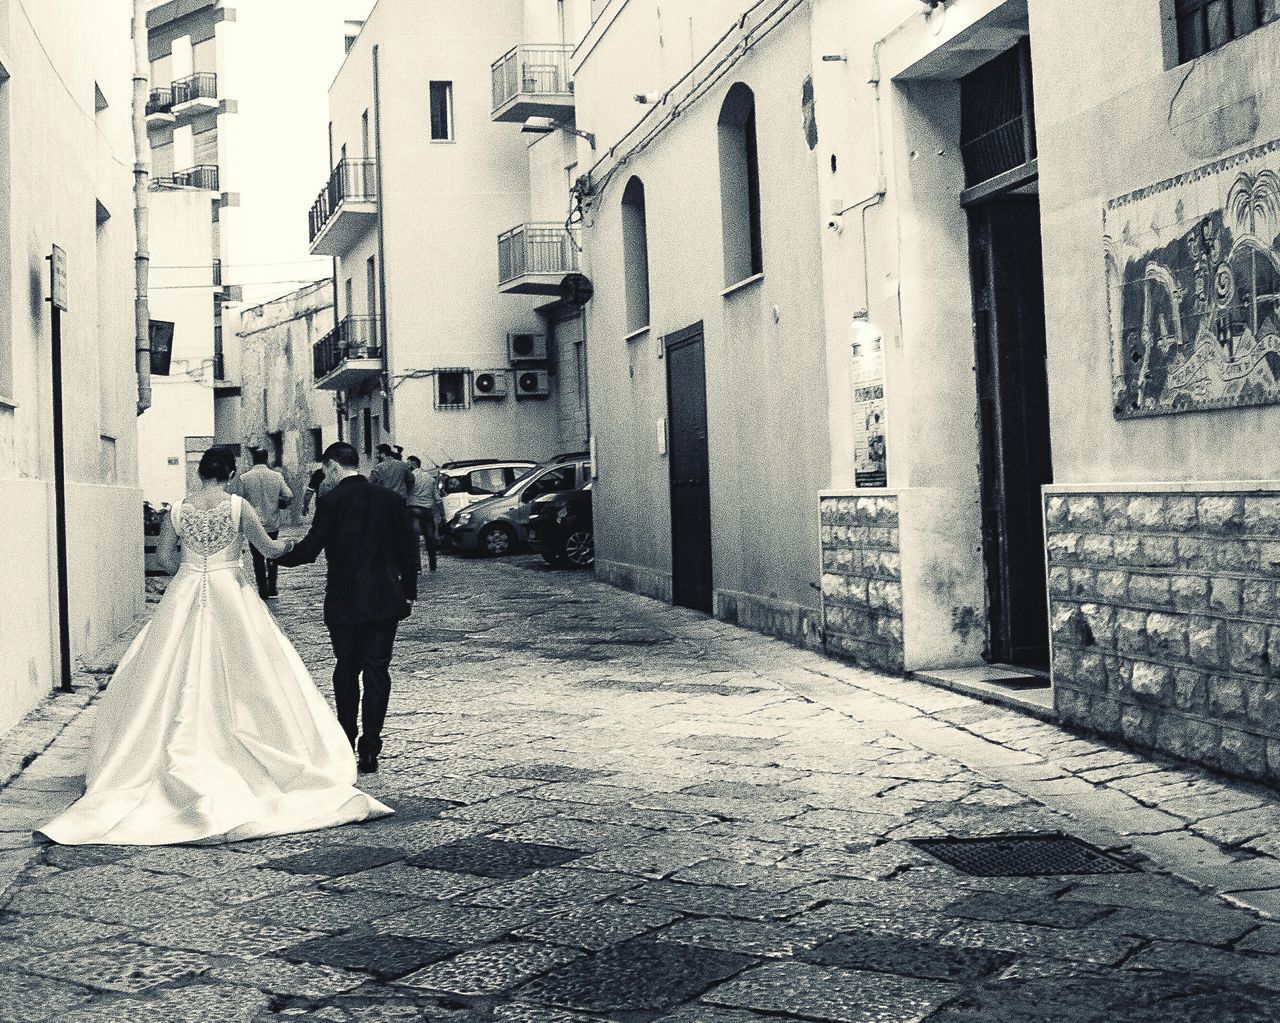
560 528
497 526
465 483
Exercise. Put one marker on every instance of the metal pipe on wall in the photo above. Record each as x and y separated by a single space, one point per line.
141 180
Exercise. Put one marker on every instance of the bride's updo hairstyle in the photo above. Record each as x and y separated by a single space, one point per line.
217 464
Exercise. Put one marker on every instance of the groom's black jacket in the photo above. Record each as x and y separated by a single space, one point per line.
371 551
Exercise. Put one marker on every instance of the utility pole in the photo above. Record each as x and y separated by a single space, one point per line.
57 305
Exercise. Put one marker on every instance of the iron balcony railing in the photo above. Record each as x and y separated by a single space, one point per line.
356 337
536 249
205 176
201 85
532 70
160 101
351 179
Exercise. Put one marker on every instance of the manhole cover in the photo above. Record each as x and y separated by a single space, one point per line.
1022 855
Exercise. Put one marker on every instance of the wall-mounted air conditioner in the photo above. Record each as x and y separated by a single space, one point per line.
533 383
527 347
489 383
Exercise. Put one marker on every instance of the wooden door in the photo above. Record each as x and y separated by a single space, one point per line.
1013 398
691 584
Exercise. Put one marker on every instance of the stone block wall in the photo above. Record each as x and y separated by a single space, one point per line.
1166 632
862 580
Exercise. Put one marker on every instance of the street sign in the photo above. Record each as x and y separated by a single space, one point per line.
58 279
576 289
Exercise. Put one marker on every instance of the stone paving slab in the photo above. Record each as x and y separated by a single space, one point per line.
609 809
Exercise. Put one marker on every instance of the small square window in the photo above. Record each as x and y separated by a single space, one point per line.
441 111
452 388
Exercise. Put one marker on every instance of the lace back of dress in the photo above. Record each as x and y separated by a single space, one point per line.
208 531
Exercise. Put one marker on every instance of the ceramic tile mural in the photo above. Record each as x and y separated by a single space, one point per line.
1193 274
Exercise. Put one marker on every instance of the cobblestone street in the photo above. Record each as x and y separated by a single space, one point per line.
610 809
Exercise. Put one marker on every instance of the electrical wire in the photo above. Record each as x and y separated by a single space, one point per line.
243 284
91 117
758 33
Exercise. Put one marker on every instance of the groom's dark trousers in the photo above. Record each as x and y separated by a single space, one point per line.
371 552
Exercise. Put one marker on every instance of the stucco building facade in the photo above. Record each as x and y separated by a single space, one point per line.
979 385
231 139
283 412
444 248
65 103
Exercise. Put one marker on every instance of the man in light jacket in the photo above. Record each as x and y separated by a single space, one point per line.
267 491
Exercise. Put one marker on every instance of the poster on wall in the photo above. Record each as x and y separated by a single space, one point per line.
1193 284
867 353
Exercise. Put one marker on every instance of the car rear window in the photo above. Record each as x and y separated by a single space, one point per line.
488 481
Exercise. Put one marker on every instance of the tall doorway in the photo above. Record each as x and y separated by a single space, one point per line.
998 145
1013 402
690 469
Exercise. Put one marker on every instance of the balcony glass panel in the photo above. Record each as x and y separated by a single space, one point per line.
532 70
536 249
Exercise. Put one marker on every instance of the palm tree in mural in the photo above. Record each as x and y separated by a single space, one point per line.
1255 196
1254 200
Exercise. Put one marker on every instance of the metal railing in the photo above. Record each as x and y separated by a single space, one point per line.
205 176
532 70
201 85
351 179
160 101
355 337
536 249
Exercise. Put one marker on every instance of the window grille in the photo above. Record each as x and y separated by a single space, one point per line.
997 118
1204 25
452 388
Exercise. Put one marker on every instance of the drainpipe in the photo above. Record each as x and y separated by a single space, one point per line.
141 177
385 384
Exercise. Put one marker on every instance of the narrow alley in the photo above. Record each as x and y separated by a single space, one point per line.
611 809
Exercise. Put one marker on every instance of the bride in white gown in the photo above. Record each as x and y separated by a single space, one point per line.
211 729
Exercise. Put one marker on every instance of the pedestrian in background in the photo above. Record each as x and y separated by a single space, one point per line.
371 582
266 490
391 473
423 499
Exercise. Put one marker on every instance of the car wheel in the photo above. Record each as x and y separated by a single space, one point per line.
580 548
496 541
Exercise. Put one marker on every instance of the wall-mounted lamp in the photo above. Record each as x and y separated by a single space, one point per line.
547 125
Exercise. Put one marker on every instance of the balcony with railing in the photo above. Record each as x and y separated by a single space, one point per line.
344 209
533 80
160 106
348 354
534 258
195 94
203 177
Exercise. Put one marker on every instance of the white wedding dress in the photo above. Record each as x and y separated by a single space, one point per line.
211 729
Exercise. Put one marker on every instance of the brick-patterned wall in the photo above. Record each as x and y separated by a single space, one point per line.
1165 624
862 580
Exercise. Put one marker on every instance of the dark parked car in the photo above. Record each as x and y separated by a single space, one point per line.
560 528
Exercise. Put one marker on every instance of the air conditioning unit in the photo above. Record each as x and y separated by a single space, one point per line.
489 383
527 347
533 383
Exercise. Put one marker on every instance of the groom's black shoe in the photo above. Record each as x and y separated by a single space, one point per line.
368 764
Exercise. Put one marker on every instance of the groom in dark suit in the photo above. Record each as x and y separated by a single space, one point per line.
371 551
